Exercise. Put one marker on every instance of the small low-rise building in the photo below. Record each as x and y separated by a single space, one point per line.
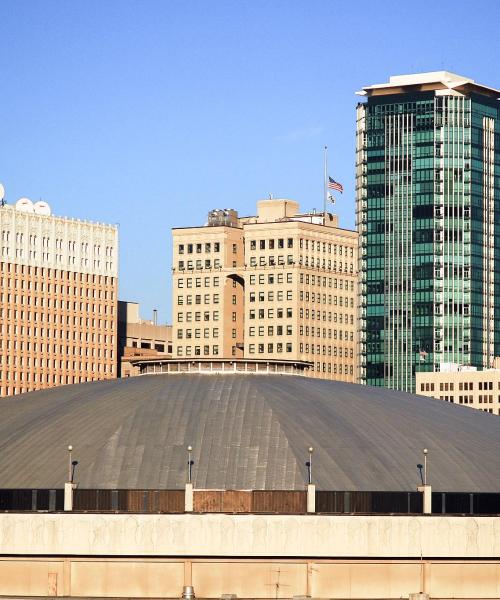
140 338
463 385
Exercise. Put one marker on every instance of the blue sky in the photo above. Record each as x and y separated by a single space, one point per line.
149 114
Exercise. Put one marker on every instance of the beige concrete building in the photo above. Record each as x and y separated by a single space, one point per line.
140 338
463 385
279 285
58 282
250 556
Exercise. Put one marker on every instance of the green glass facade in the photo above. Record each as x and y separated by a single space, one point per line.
428 193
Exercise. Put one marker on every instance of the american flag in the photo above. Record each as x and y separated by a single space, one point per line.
335 185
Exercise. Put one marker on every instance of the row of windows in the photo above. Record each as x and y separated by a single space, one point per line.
280 330
197 299
329 368
33 240
71 261
51 288
207 315
207 299
482 399
271 348
271 244
325 350
55 348
197 350
326 247
280 313
462 385
9 313
43 301
196 316
197 282
199 248
55 319
197 333
49 273
271 296
317 297
47 380
271 278
199 264
48 363
322 281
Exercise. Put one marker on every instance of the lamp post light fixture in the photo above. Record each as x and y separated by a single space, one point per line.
425 465
70 464
190 463
309 464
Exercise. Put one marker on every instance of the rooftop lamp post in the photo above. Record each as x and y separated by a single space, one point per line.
70 464
425 465
309 464
190 463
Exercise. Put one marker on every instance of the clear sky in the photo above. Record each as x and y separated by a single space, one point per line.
151 113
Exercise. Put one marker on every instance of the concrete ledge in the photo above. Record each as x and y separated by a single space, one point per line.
249 535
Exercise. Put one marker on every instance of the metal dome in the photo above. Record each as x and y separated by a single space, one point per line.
247 432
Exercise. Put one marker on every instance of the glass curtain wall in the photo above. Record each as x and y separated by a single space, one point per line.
427 195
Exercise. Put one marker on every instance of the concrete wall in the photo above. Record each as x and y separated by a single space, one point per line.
257 556
247 578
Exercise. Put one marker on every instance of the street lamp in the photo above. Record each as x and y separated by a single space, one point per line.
425 465
70 477
309 464
190 463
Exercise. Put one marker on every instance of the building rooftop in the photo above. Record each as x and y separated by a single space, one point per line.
435 80
248 432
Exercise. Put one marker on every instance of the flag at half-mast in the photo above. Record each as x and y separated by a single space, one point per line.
335 185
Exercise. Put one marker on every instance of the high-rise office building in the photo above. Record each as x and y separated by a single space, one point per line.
279 285
427 205
58 299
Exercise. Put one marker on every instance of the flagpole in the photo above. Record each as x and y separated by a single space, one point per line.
325 185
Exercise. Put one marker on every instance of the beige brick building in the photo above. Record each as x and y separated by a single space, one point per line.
279 285
468 386
58 294
140 338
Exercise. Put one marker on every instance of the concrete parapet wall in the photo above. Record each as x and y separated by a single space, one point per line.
249 535
252 556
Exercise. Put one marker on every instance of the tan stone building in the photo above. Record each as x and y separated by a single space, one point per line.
140 338
463 385
58 287
279 285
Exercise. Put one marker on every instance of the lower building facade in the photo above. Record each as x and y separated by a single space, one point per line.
58 282
249 556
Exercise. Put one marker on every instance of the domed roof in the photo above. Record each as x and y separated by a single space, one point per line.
248 432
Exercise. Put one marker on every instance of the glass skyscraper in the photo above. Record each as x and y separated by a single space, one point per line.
427 208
